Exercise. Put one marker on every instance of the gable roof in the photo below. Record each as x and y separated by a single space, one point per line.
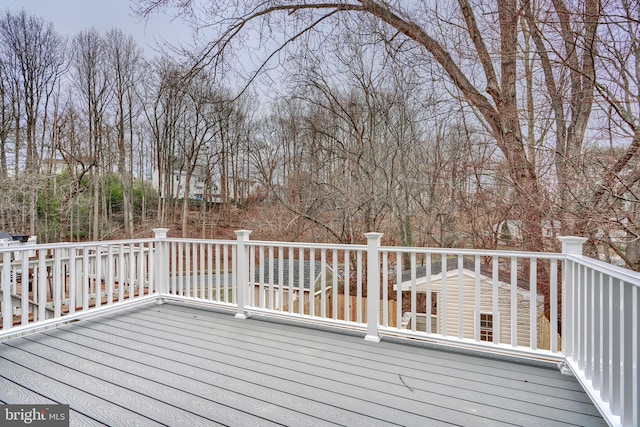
436 268
467 265
295 264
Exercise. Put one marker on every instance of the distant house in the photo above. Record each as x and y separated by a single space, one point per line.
178 185
484 319
53 166
298 277
509 231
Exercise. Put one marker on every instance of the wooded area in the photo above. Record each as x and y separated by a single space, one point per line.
457 123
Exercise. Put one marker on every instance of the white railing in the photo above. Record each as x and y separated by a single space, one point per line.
55 281
505 301
307 281
338 284
558 307
202 270
602 331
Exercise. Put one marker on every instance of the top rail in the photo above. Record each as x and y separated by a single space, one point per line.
65 245
601 333
619 273
560 307
474 252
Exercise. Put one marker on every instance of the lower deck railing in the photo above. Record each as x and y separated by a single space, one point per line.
557 307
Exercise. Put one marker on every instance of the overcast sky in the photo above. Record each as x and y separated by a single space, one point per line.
71 16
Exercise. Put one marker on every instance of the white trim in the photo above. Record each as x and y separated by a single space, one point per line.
495 326
78 315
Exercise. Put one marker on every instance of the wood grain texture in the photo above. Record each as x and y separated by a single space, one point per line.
15 394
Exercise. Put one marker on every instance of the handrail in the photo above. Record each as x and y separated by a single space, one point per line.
62 278
602 335
471 252
66 245
551 306
628 276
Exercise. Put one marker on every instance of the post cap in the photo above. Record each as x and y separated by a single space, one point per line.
160 233
572 245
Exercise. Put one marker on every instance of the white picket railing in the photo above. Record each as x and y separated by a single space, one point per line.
559 307
55 281
202 270
601 334
328 282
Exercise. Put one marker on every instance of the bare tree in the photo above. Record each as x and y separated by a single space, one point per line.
91 79
37 53
342 143
196 129
164 106
6 116
123 57
493 95
33 61
573 61
609 212
68 141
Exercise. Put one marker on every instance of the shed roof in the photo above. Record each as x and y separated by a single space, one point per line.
436 268
468 265
269 265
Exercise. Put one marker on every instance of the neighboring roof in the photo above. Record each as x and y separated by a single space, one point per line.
295 264
22 238
504 286
467 264
436 268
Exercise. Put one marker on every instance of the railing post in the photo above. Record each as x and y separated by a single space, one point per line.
5 286
571 245
161 261
373 286
242 272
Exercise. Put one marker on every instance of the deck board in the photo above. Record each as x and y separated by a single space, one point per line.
157 377
11 393
175 364
437 386
254 377
86 403
407 357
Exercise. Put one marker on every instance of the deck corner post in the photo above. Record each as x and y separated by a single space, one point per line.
5 287
373 286
571 246
161 260
242 272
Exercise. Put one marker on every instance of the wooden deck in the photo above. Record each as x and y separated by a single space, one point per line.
179 365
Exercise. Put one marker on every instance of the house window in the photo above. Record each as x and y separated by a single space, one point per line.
486 327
